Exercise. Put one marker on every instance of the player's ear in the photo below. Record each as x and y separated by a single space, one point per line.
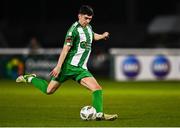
79 16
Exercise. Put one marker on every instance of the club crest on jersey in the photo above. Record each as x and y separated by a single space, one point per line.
85 45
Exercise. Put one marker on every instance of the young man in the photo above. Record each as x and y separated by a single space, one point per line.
73 61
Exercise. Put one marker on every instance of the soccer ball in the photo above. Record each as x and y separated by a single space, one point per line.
88 113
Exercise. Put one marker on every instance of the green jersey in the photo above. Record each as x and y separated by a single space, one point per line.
80 38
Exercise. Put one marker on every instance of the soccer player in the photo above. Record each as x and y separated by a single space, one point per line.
72 63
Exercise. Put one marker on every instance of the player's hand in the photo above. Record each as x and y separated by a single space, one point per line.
55 72
106 35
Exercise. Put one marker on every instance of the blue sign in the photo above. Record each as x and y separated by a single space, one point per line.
131 66
161 66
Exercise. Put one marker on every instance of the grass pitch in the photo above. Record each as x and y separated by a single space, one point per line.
138 104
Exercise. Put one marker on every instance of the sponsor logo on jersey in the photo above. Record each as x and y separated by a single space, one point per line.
85 45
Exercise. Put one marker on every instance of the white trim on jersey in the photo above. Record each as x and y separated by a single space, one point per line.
90 33
87 58
80 51
85 62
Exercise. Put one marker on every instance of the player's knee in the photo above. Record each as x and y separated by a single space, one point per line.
50 91
98 87
52 88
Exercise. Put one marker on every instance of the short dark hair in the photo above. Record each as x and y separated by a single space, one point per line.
86 10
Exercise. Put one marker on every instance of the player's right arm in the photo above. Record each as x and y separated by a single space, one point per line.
67 46
55 72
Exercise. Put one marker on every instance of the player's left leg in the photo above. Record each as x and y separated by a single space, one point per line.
92 84
39 83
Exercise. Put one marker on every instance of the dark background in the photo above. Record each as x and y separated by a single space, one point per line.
48 20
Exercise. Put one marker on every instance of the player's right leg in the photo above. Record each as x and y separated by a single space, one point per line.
92 84
39 83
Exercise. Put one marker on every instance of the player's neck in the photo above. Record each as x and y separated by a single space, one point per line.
81 24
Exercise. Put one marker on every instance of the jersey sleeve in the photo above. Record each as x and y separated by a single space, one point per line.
92 32
70 37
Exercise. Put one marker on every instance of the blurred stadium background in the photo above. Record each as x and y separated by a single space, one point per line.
140 62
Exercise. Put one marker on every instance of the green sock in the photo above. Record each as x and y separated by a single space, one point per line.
40 84
98 100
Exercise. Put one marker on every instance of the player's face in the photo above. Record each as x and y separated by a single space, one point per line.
84 19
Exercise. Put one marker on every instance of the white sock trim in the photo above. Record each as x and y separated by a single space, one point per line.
30 79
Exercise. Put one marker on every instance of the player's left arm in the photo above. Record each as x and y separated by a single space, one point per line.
104 36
